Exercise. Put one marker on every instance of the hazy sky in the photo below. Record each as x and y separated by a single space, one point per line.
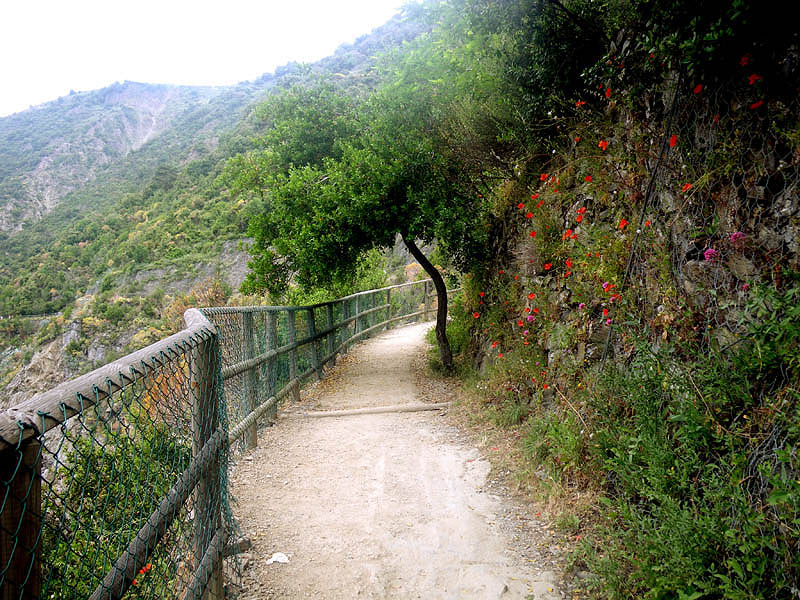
48 48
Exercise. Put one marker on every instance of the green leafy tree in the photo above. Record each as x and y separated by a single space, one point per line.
390 179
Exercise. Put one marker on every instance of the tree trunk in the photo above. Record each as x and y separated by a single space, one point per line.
441 298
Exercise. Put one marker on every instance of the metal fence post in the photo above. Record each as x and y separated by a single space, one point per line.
250 378
208 504
292 331
312 331
21 522
331 335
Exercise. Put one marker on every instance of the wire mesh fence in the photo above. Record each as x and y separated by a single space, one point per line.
719 208
115 484
112 482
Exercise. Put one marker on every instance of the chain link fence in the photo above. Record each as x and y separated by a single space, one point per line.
115 484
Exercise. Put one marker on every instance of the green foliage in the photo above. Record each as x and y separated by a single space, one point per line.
691 480
388 180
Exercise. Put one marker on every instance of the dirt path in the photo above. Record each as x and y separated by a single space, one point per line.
383 505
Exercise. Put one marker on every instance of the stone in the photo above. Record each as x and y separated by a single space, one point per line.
742 267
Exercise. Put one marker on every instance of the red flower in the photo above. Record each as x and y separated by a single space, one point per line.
520 206
608 92
543 177
532 234
647 223
476 314
602 144
539 205
548 266
501 271
534 196
753 78
686 187
716 118
499 356
623 224
568 262
588 178
756 105
698 88
745 60
482 294
520 323
579 218
494 344
568 273
673 140
605 312
531 296
580 103
577 139
567 233
581 210
529 215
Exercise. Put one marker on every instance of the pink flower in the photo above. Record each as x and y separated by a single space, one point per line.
608 321
710 254
525 332
737 238
745 287
581 306
530 318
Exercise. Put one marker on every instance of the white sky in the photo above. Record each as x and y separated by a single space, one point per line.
49 47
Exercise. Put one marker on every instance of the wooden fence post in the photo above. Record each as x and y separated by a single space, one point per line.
250 379
272 363
331 335
345 328
427 302
388 307
207 518
312 331
357 328
21 522
292 330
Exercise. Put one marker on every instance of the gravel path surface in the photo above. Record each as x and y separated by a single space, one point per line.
394 505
